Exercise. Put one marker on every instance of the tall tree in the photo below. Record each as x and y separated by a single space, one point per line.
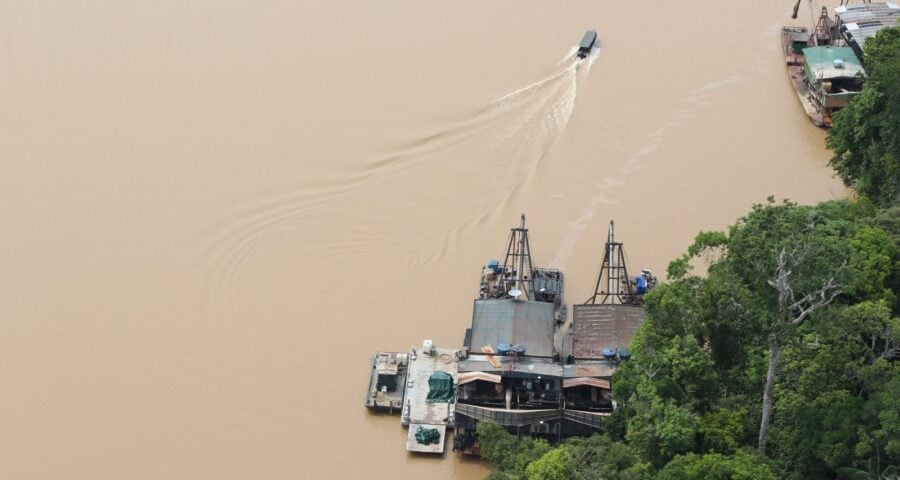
792 312
789 261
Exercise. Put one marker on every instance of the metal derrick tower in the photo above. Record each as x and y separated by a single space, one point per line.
518 270
613 275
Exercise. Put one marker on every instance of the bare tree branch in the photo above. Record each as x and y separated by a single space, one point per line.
790 311
813 301
650 371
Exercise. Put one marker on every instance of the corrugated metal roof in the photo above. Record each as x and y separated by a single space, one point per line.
863 21
510 321
596 327
583 368
820 63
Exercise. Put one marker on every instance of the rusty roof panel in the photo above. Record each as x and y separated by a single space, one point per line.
603 326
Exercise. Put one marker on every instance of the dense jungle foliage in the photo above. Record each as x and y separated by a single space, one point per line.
866 135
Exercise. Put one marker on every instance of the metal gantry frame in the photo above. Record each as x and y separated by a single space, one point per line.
824 30
518 264
615 273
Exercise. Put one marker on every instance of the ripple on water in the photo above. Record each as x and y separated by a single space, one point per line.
486 159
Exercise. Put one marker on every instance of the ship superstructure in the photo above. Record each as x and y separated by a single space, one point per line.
523 365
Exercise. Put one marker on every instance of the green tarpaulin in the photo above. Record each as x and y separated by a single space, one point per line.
440 387
427 436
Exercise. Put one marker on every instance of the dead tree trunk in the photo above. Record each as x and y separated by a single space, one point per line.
767 395
791 313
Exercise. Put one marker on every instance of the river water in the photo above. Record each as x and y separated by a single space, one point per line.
213 213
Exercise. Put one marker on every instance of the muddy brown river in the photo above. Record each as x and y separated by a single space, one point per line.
213 213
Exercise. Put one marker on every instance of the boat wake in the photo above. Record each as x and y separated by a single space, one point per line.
482 161
604 194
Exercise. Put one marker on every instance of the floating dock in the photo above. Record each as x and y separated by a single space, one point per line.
419 411
413 444
388 383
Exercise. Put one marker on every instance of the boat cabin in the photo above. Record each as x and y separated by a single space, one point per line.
587 43
834 76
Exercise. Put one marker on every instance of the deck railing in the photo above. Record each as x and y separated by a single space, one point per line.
508 418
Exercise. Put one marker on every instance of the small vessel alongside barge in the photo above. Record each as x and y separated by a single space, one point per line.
825 65
387 385
825 77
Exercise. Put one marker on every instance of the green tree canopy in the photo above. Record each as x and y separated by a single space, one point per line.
865 136
660 429
741 465
556 464
509 454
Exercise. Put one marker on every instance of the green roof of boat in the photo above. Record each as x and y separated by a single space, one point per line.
821 60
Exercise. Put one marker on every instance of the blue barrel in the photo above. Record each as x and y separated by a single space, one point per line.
494 265
609 353
503 348
641 282
624 354
519 349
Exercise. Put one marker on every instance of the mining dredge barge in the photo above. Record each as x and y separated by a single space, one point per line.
523 364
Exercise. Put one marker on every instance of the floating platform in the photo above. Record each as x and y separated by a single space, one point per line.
388 382
418 410
413 445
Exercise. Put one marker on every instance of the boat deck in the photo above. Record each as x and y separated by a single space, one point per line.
794 62
417 412
421 366
413 446
797 79
389 364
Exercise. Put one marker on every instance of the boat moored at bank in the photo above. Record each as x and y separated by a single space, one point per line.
825 64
